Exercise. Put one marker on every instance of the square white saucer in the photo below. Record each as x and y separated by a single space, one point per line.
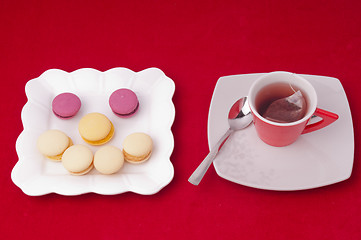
316 159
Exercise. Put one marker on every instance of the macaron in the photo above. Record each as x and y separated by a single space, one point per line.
53 143
96 128
137 147
108 159
66 105
78 159
124 102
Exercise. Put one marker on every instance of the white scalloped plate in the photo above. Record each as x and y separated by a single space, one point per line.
36 175
316 159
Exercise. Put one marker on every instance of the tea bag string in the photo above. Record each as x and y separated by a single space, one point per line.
290 83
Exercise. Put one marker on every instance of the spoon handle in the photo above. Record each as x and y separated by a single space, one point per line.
198 174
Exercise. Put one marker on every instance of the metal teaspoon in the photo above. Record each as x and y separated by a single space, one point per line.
239 117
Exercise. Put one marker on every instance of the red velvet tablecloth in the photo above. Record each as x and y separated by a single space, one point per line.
194 43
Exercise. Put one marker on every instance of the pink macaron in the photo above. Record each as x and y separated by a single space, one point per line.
66 105
124 102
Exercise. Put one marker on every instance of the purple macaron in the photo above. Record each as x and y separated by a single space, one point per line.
66 105
124 102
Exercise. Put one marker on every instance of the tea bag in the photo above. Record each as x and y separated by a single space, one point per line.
288 109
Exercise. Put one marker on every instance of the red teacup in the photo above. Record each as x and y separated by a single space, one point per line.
282 134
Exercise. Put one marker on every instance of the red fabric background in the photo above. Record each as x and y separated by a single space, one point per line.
194 43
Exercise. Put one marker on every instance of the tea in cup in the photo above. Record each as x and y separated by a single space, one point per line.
282 103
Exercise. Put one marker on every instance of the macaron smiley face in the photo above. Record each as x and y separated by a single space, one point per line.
95 129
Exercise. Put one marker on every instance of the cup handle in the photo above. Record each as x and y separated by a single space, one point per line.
327 119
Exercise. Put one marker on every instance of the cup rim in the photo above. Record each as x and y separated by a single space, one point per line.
310 110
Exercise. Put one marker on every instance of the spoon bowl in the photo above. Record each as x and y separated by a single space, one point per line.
239 117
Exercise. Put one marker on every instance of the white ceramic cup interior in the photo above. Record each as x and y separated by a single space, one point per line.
284 77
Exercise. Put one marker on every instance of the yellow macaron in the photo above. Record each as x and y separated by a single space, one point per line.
53 143
137 147
96 128
78 159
